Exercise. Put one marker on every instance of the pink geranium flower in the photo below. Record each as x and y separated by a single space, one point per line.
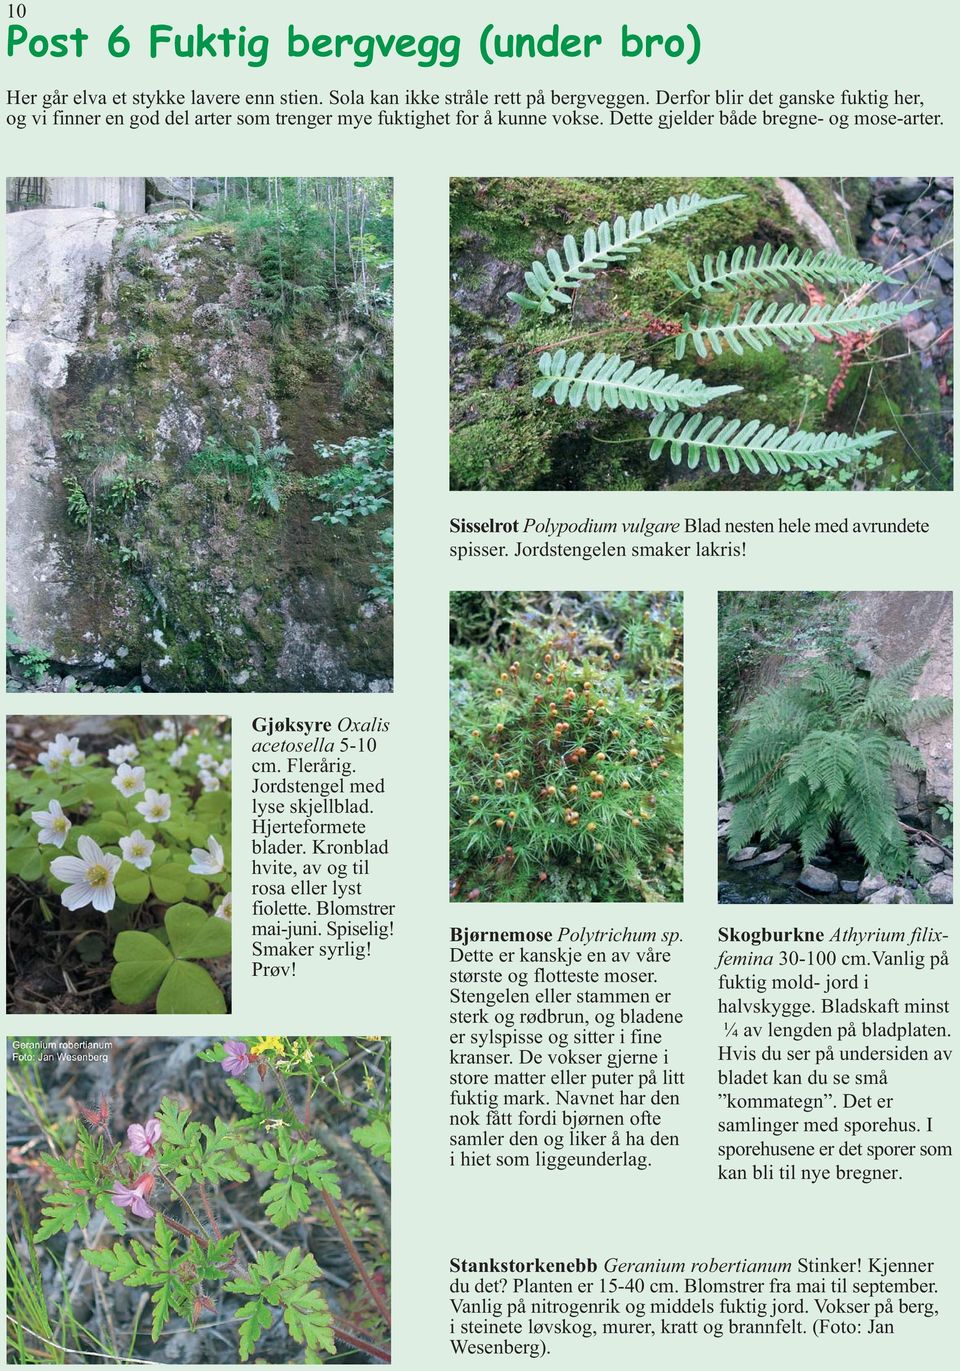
238 1057
134 1197
143 1138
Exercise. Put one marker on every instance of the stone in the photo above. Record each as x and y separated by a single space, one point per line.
775 854
887 628
745 854
929 855
904 190
819 882
940 888
941 267
891 894
871 884
923 336
850 887
725 810
805 215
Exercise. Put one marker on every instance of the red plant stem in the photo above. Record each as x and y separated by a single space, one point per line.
381 1305
209 1209
361 1344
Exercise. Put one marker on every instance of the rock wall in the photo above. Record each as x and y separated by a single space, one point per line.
54 257
887 628
129 352
123 194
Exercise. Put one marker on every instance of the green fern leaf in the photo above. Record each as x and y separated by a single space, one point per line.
255 1318
764 323
810 756
782 266
61 1213
754 445
603 246
375 1136
612 381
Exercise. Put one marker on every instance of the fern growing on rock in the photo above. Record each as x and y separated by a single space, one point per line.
818 753
756 323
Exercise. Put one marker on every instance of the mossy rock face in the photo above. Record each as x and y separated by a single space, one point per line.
175 579
503 439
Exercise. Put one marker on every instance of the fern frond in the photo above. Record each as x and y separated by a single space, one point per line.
926 711
815 828
808 755
824 760
765 323
753 445
888 699
745 821
603 246
902 754
782 266
612 381
839 689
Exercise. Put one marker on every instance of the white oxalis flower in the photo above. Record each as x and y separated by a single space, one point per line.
224 909
166 731
178 754
137 850
154 807
205 762
130 780
225 768
54 824
207 862
90 876
123 752
52 762
209 781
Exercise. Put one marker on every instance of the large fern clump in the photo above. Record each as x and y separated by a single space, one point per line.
818 753
744 274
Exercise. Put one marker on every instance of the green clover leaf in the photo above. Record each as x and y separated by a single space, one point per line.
145 965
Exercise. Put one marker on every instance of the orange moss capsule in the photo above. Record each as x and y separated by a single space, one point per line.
616 656
498 691
475 733
474 799
624 785
500 728
512 814
596 794
634 752
499 783
499 823
571 790
591 828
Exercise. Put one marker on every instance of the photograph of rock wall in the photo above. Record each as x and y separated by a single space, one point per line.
199 433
